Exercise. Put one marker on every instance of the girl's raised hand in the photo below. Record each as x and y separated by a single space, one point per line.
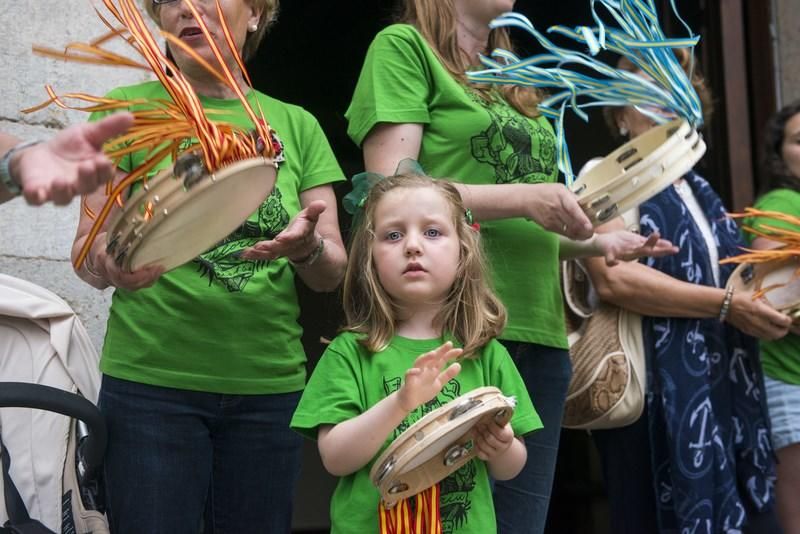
426 379
492 440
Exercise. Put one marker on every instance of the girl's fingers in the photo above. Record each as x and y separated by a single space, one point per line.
450 373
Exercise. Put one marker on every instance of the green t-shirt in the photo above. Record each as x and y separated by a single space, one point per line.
349 380
472 142
780 358
219 323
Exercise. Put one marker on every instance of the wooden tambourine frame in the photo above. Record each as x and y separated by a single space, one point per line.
781 279
638 170
437 445
191 212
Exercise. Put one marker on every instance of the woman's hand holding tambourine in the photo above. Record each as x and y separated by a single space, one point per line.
298 241
102 266
555 208
426 378
757 318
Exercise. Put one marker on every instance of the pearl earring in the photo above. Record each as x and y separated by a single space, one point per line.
252 27
623 131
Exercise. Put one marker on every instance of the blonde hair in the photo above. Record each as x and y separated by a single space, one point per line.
471 313
436 21
269 14
611 113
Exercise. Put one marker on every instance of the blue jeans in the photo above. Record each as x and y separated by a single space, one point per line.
178 458
521 503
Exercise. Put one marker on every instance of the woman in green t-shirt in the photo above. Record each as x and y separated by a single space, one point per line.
413 101
203 366
781 358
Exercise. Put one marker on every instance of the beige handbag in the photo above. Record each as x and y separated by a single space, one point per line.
607 389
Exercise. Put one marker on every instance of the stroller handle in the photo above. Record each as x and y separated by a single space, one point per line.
40 397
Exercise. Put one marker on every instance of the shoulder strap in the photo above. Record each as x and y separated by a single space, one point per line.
19 521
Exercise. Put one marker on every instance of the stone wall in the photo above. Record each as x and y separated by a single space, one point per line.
35 242
788 35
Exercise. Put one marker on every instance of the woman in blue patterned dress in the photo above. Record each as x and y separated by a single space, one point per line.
700 459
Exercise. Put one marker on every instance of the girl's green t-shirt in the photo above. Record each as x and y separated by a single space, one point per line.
780 359
219 323
467 140
348 380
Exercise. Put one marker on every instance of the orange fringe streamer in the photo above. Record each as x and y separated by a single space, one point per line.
425 519
161 126
790 239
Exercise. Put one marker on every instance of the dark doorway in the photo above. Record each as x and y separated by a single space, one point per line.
312 58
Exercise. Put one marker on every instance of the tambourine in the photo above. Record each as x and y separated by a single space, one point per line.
183 211
638 170
437 445
777 282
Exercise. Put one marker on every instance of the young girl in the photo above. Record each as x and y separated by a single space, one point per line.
415 298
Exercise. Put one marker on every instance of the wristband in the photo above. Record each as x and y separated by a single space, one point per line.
726 304
5 171
309 260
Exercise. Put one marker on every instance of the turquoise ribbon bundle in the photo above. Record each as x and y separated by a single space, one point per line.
637 36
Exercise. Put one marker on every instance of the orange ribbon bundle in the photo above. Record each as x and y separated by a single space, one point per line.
161 126
789 238
425 518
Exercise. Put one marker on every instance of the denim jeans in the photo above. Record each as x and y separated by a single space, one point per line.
521 503
179 458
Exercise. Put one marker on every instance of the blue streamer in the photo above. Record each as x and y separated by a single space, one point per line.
637 36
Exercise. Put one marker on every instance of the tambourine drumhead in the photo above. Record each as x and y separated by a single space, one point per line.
780 279
436 445
638 170
187 222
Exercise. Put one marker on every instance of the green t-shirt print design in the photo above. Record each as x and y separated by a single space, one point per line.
222 263
519 150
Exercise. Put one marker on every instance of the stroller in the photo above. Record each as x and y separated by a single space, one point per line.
52 436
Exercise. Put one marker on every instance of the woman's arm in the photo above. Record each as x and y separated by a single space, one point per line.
553 206
348 446
312 241
650 292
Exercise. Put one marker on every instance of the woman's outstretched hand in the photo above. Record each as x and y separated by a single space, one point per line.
427 378
71 163
622 245
297 241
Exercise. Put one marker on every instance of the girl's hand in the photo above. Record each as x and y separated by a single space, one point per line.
426 379
622 245
492 440
758 319
297 241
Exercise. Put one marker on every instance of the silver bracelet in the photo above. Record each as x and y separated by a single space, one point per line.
5 167
726 304
312 258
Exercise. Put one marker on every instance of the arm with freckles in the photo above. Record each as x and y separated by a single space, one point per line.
552 206
350 445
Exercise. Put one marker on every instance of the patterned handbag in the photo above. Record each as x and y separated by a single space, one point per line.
607 389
